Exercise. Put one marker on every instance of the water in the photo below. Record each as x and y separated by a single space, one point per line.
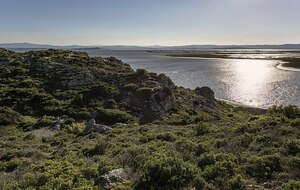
248 81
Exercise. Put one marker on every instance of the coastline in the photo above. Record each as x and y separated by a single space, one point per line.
283 65
243 107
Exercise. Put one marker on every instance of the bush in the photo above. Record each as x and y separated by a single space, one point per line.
295 123
293 148
69 121
199 183
102 90
236 183
131 87
201 129
200 149
291 112
145 92
27 123
165 172
104 166
44 121
98 149
8 116
218 170
75 128
291 185
142 73
170 137
206 159
112 116
263 168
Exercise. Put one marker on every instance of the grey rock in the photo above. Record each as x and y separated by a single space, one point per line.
119 125
206 92
101 128
91 126
113 177
57 124
267 185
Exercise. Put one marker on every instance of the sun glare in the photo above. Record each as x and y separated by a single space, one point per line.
250 74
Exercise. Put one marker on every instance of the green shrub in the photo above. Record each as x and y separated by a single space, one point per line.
170 137
200 149
291 185
90 172
13 164
264 167
102 90
218 170
145 92
104 165
291 112
29 136
201 129
8 116
206 159
27 123
75 128
293 148
164 172
199 183
112 116
131 87
142 73
69 121
44 121
236 183
98 149
295 123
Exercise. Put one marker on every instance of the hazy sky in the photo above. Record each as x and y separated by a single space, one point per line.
150 22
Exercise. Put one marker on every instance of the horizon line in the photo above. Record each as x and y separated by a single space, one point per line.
264 44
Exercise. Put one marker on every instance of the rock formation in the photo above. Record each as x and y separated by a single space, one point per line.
91 126
113 177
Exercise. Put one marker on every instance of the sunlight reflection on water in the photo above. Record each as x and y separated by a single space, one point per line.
249 75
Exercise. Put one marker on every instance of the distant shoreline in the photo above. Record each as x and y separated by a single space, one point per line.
287 63
281 66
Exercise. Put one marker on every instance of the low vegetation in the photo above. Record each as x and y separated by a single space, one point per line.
165 139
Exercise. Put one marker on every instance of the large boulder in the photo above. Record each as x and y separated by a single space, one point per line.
153 103
206 92
113 177
91 126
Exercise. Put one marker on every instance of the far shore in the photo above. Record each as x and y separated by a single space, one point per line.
287 63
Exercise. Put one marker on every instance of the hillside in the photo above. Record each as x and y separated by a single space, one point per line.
70 121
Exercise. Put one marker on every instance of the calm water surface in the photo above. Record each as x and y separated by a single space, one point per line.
247 81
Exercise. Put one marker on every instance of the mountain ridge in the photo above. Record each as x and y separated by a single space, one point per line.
27 45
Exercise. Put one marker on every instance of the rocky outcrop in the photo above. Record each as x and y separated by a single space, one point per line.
153 103
206 92
113 177
91 126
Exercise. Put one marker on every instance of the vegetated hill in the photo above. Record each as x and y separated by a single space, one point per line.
147 133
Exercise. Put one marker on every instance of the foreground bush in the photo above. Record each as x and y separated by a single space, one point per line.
165 172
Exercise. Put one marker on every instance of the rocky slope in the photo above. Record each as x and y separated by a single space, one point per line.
58 82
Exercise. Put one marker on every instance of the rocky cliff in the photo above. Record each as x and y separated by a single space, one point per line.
60 82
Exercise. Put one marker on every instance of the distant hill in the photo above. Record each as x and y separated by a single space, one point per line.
15 46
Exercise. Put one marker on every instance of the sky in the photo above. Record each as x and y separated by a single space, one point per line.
150 22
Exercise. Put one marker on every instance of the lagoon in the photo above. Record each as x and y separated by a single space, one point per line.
253 82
